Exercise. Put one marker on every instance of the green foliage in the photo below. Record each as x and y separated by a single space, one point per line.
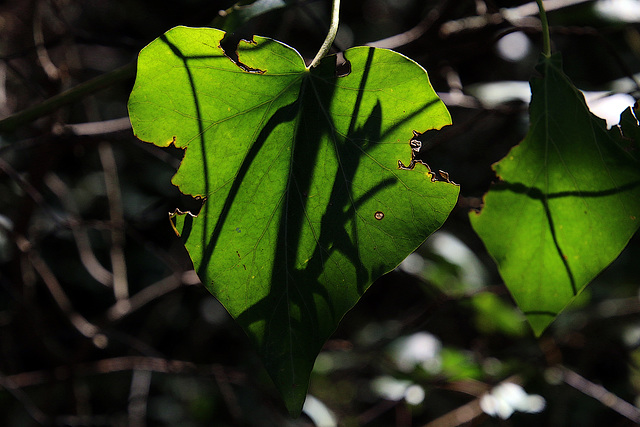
568 201
493 315
304 201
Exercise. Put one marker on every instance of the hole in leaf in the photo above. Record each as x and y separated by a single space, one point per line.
343 66
229 45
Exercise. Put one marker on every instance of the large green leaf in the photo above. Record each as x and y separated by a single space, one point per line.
305 202
568 200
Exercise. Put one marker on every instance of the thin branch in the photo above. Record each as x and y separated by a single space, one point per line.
414 33
81 237
516 16
48 66
26 402
99 128
469 411
228 395
139 397
106 366
118 262
461 415
601 394
408 36
162 287
83 326
30 114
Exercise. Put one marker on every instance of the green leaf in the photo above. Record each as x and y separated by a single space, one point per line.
567 203
305 203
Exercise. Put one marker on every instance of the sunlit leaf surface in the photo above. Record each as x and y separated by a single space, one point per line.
304 201
568 200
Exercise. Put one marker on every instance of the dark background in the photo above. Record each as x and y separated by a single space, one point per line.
77 201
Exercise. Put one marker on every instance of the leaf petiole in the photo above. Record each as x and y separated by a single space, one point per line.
546 40
331 35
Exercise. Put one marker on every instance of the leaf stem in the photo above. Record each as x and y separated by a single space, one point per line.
546 40
333 30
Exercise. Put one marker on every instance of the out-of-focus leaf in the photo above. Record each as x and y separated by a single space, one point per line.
494 315
233 18
568 200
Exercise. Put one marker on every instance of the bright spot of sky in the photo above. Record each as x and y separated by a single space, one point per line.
514 46
619 10
318 412
507 398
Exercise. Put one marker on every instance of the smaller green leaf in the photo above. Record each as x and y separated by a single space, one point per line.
568 200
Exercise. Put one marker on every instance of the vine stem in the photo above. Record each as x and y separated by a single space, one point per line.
331 36
546 40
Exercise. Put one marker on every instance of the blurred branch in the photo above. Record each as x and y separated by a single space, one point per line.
26 402
99 128
83 326
469 411
80 235
27 187
126 306
138 397
11 123
375 411
47 65
106 366
118 262
142 368
517 16
227 392
599 393
459 416
414 33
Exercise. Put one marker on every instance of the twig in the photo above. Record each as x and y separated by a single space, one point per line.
105 366
375 411
48 66
83 326
138 397
28 188
81 237
162 287
28 115
118 262
414 33
462 415
227 392
407 37
469 411
26 402
600 393
99 128
513 15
